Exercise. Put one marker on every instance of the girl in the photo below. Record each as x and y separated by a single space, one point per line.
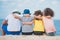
38 23
48 22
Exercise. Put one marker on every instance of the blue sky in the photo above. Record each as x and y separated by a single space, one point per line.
7 6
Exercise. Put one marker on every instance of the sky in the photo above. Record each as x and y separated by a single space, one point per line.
8 6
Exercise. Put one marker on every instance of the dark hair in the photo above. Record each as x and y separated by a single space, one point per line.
38 12
16 12
48 11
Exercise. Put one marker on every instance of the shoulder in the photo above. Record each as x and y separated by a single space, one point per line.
8 16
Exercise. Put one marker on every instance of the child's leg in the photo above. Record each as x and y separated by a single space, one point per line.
4 29
3 33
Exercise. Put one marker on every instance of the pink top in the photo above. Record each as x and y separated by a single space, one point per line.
49 25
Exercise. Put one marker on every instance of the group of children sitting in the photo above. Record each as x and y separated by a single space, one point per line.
38 24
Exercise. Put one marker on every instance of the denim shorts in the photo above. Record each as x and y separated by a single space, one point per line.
4 28
38 33
51 34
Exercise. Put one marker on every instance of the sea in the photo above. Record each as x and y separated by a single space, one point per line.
56 23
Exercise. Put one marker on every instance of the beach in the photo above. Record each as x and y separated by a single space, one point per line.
29 37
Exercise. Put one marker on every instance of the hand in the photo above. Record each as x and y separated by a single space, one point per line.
23 23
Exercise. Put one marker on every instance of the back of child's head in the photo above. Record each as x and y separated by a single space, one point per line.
16 12
48 12
38 12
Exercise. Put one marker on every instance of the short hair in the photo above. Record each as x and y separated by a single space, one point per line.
48 11
16 12
38 12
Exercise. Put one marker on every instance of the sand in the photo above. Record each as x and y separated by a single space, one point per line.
29 37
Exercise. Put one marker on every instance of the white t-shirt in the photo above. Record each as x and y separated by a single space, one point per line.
13 23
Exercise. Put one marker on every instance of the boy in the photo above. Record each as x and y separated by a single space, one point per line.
27 22
13 26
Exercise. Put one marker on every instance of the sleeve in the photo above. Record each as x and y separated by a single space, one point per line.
7 17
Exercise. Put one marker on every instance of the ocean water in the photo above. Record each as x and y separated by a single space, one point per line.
57 26
56 22
0 26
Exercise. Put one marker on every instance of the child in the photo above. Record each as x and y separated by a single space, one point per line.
38 23
48 22
13 26
27 22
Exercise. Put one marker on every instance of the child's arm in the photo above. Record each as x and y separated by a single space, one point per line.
38 17
28 22
4 22
17 17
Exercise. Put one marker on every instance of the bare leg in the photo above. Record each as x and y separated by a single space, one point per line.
3 33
